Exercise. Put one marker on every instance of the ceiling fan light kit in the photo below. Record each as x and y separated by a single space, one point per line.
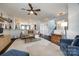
31 12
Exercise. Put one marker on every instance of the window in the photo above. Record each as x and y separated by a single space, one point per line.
27 27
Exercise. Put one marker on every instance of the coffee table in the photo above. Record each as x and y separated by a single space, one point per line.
28 37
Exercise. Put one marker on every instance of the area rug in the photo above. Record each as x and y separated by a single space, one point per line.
41 47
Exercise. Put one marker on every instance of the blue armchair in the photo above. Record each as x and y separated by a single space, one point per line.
73 51
64 43
70 47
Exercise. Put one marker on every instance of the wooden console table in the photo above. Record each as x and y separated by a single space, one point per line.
55 38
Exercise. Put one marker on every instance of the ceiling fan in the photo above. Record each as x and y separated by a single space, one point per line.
2 19
31 10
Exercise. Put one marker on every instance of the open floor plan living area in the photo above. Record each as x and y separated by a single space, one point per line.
39 29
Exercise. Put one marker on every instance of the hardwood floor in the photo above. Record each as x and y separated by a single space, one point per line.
12 40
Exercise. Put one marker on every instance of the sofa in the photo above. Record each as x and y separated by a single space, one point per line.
70 47
47 37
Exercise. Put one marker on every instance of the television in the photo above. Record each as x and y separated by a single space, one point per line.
1 30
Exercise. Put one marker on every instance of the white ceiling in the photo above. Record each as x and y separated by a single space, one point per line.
48 10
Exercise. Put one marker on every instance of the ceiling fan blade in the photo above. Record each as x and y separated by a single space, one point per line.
30 6
28 10
1 20
35 13
37 10
1 14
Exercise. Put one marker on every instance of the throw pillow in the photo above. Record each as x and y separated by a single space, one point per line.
75 42
77 37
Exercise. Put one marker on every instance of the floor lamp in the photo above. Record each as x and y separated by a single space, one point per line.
64 25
